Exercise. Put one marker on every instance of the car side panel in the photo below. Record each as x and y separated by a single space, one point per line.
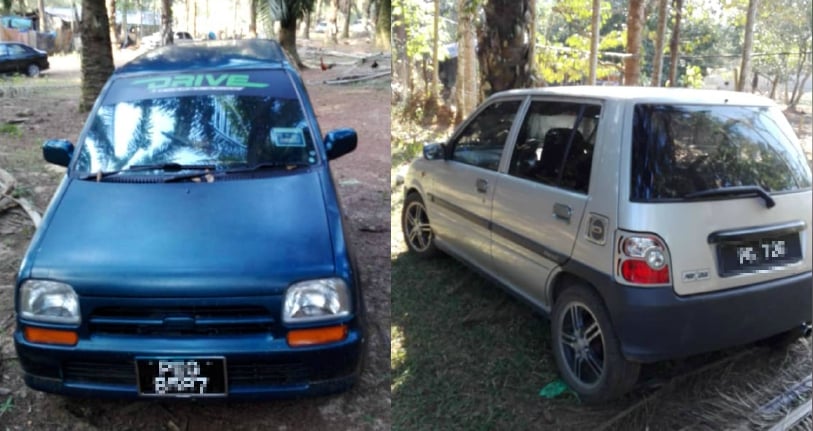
529 240
459 213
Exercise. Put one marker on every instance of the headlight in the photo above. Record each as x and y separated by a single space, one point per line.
315 300
49 301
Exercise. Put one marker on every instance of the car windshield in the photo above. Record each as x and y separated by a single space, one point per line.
234 123
683 151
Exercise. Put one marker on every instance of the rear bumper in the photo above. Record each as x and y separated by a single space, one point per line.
655 324
257 366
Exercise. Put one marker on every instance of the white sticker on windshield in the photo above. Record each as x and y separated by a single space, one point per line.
287 137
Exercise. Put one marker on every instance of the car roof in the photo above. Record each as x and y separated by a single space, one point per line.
221 55
647 95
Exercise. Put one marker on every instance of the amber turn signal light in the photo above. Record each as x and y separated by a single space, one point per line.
50 336
309 337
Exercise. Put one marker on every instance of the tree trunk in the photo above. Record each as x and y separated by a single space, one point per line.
124 33
166 22
748 43
287 39
674 43
433 91
382 24
466 80
306 29
504 51
333 23
595 28
657 61
96 54
252 18
111 13
635 23
41 13
346 9
774 85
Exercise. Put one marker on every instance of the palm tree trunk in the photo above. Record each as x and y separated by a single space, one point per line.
287 39
166 21
635 22
96 54
111 10
505 54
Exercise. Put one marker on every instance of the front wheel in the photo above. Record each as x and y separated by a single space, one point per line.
586 348
32 70
416 228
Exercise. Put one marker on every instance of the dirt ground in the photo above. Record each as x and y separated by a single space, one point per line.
47 107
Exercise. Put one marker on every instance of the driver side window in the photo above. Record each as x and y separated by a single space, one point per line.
481 142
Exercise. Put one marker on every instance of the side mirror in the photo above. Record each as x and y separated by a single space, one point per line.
434 151
339 142
57 151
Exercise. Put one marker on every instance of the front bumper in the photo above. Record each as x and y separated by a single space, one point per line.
654 324
257 366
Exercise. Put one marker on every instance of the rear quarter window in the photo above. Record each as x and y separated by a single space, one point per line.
678 150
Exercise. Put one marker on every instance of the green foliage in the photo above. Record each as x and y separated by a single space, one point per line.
693 77
784 26
416 17
10 129
563 42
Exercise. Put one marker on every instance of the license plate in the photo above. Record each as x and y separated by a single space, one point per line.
181 377
760 254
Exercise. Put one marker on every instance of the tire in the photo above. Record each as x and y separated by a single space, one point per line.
586 348
415 226
32 70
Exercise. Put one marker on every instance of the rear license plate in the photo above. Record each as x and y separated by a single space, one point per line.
172 377
739 257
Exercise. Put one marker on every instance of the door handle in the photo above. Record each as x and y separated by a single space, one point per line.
562 211
482 185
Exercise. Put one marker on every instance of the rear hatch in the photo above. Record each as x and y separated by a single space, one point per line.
727 188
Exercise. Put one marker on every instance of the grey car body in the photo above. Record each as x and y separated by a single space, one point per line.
647 223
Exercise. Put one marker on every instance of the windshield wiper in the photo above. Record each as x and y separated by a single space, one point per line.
267 165
166 167
209 177
735 191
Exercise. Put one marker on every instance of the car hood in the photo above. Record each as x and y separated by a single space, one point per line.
235 237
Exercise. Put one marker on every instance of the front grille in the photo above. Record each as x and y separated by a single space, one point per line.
169 321
111 373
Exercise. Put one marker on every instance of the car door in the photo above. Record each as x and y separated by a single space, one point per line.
5 60
19 57
539 202
459 203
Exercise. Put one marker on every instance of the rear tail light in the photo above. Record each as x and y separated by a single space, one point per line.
643 259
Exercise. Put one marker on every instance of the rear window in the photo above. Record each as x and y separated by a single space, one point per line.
685 149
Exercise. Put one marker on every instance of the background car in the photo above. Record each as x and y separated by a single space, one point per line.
18 58
155 40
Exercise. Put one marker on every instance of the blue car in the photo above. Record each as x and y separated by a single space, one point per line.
196 246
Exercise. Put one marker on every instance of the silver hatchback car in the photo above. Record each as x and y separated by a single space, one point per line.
647 223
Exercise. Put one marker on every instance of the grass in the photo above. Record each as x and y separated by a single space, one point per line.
464 355
10 130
